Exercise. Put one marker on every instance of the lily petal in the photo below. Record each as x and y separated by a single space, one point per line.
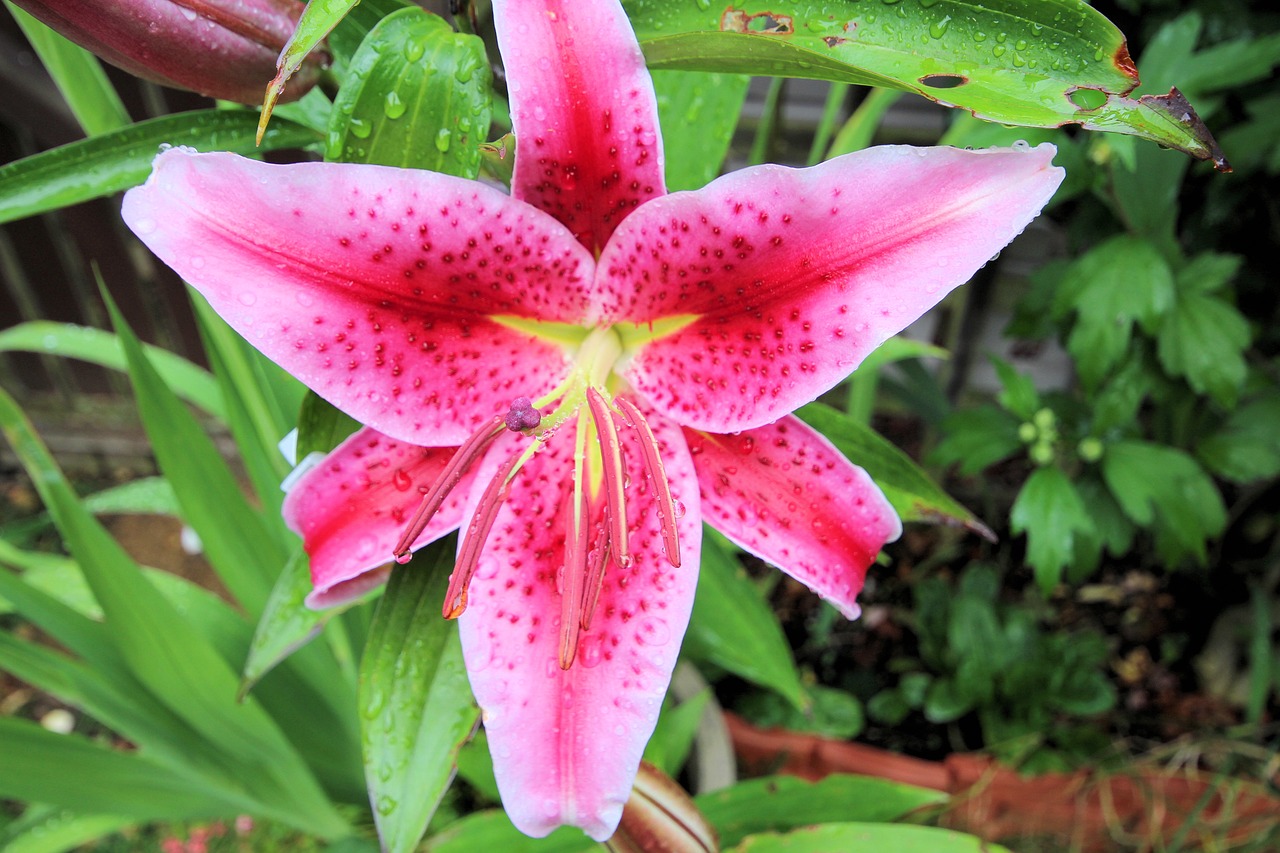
351 508
794 275
588 149
786 495
566 743
372 285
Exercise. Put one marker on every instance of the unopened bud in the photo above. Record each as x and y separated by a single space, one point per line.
661 818
1090 449
220 48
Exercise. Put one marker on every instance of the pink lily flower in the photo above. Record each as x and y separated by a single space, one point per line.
581 373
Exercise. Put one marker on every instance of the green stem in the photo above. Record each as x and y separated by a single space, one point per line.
768 121
826 127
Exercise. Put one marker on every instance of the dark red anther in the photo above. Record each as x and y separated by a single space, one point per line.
522 416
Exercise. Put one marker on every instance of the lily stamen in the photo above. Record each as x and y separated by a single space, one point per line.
614 482
495 494
596 562
661 485
577 543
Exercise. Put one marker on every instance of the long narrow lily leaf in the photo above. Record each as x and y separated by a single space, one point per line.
165 651
78 75
414 701
318 19
239 545
47 829
911 491
192 382
261 400
733 628
146 496
1036 63
698 113
425 106
92 168
866 836
40 766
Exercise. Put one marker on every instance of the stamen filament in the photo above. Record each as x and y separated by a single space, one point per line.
468 452
611 459
495 494
662 486
596 561
575 568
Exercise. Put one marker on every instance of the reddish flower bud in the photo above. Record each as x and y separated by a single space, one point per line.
220 48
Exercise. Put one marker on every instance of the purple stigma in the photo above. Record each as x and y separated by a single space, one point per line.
522 416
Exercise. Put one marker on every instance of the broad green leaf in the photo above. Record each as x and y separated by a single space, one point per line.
1120 282
912 493
1037 63
191 382
415 703
70 771
1049 511
46 829
317 20
866 836
974 439
1203 339
698 113
237 541
115 161
346 37
424 105
1246 448
829 712
78 76
163 649
1164 488
733 628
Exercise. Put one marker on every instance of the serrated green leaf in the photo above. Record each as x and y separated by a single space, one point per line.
1009 61
830 712
698 113
975 439
115 161
415 704
1049 511
1247 447
1208 272
1118 283
733 628
78 76
192 382
417 95
1203 339
912 493
866 836
1164 488
1018 393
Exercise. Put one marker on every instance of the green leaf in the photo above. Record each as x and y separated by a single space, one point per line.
322 426
698 113
975 439
318 18
1120 282
1246 448
415 704
78 76
191 382
830 713
287 623
45 829
69 771
92 168
1203 339
912 493
1023 62
164 650
944 701
1018 394
1164 488
866 836
674 735
1049 511
861 127
733 628
425 105
237 541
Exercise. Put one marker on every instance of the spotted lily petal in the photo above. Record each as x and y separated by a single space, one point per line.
586 119
793 275
566 743
374 286
351 508
786 495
